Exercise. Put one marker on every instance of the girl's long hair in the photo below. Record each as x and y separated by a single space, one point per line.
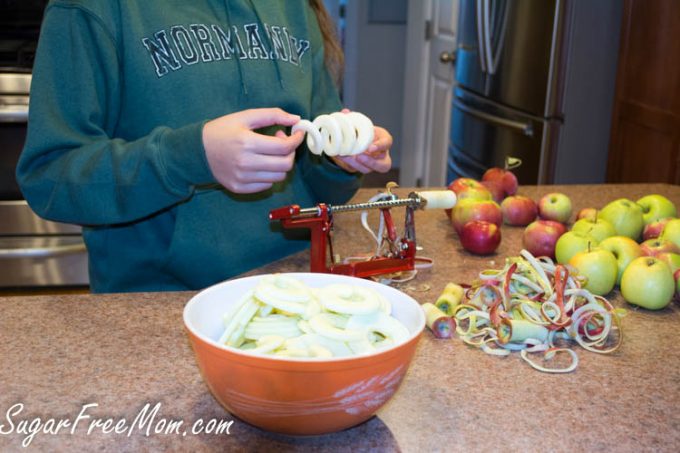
334 57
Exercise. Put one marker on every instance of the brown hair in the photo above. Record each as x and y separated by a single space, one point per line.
334 58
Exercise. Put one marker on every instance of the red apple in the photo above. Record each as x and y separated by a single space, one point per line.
519 210
475 193
541 236
507 179
461 184
654 229
468 188
587 213
468 210
480 237
496 189
656 246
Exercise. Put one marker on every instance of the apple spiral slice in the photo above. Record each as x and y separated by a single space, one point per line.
337 134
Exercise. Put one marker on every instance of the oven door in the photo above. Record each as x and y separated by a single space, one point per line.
34 253
39 253
41 261
14 89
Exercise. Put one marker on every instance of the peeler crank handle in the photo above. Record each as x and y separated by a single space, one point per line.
285 212
294 212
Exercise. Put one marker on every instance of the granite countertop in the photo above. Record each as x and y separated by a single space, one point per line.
123 351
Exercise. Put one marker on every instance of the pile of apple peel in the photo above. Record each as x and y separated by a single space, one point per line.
284 317
529 306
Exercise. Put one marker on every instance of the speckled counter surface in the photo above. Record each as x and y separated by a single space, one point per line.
120 352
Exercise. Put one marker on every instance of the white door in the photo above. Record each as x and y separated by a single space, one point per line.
428 85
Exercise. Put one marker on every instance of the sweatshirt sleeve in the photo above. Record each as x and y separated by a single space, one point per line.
73 169
328 182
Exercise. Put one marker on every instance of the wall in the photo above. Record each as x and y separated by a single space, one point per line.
375 39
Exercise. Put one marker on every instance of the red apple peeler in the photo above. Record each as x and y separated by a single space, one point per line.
394 253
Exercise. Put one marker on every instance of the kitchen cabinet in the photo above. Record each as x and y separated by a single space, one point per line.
121 352
645 135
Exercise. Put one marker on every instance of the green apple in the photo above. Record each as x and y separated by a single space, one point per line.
656 207
555 206
600 268
671 231
625 215
624 249
572 242
648 282
600 229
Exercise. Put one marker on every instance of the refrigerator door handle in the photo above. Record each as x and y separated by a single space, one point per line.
488 51
481 41
493 55
525 128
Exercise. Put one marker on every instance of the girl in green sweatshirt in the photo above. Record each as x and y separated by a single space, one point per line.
162 127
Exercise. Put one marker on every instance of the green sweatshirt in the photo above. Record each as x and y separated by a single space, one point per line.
120 93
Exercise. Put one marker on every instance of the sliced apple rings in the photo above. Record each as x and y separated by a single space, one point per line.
282 316
268 344
349 300
314 345
273 325
338 134
382 326
324 324
283 293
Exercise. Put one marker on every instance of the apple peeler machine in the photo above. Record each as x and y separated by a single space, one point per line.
394 253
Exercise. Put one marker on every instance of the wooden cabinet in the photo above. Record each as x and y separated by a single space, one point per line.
645 136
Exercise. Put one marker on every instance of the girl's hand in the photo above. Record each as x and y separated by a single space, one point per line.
244 161
375 158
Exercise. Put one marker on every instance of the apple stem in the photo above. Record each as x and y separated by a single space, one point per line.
512 162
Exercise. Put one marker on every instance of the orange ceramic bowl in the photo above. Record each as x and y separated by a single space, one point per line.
298 396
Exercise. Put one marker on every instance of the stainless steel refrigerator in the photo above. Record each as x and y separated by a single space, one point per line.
507 99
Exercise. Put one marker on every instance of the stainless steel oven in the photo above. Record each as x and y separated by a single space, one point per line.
34 253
